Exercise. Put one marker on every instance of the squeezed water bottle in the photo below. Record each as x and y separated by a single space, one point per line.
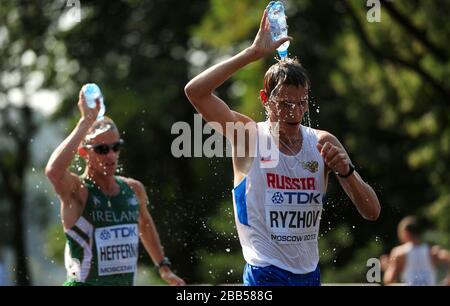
91 93
278 25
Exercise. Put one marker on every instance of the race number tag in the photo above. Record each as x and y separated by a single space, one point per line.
293 216
117 249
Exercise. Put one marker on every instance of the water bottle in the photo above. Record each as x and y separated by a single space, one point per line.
91 93
278 25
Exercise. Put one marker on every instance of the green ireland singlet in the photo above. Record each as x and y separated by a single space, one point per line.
102 247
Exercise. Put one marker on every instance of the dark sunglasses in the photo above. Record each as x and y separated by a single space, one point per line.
103 149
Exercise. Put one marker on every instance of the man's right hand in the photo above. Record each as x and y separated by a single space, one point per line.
263 44
87 113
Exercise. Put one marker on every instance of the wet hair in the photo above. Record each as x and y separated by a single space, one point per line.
286 72
412 225
100 127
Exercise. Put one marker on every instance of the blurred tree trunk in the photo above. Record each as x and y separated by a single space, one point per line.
13 170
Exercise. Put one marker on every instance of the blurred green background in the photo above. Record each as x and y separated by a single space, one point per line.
382 88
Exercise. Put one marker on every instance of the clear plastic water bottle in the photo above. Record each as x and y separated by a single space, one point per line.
278 25
91 93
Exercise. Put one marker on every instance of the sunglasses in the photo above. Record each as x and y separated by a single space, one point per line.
103 149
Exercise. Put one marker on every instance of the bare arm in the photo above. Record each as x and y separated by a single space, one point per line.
149 235
66 184
360 193
395 267
200 89
57 169
441 257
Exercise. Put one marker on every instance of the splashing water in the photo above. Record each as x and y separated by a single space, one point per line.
103 128
78 164
311 103
307 120
119 169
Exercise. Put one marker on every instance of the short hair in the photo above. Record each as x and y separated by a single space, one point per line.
100 127
412 225
286 72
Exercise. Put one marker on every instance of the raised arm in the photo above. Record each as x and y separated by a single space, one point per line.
338 161
200 89
57 169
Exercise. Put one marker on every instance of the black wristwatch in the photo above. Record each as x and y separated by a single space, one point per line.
350 171
165 262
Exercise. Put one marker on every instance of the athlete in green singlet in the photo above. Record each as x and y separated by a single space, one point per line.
103 215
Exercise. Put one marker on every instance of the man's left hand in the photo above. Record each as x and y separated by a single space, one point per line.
170 277
335 158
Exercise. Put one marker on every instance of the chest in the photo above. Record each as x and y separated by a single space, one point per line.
103 210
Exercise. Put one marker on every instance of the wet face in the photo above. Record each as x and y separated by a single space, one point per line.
102 153
287 105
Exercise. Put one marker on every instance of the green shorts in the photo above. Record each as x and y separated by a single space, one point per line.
74 283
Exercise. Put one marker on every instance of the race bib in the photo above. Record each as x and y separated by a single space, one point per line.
293 216
117 249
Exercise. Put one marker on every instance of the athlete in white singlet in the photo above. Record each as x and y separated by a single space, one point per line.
280 167
414 263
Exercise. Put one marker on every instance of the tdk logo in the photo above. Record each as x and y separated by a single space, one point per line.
277 198
124 232
105 235
292 197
